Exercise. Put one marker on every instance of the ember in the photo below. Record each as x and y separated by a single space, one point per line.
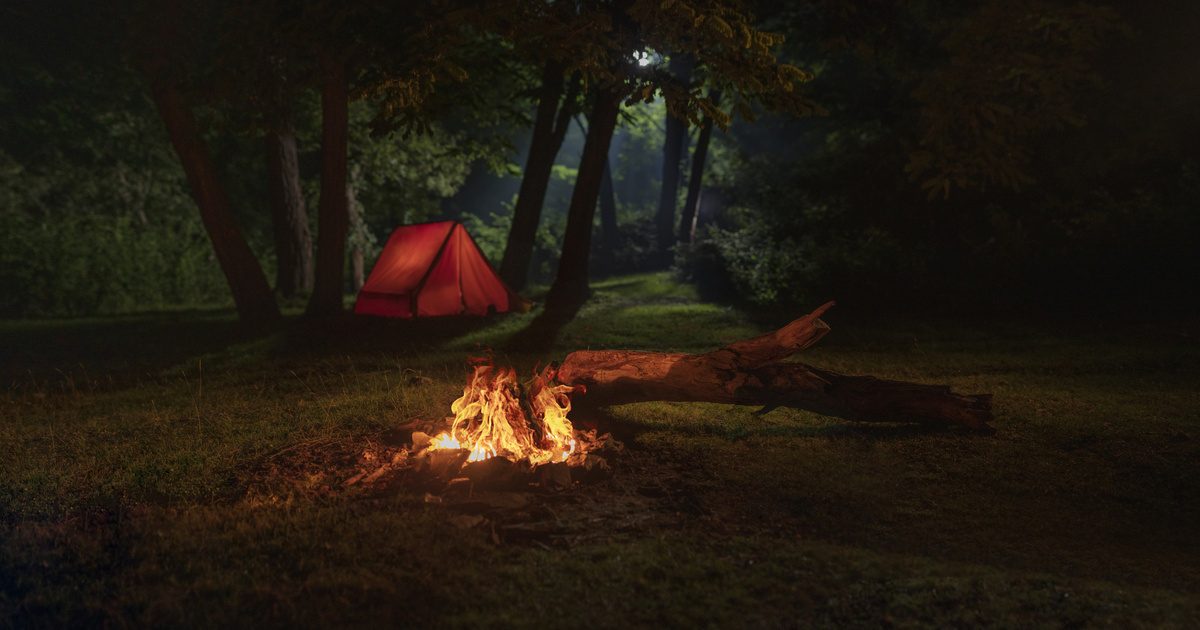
497 416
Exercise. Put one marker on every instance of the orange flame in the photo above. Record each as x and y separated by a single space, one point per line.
491 421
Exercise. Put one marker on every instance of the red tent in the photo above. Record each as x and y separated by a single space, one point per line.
432 269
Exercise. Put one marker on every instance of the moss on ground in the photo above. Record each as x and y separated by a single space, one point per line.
126 444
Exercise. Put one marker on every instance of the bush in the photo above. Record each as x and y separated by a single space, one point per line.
635 246
801 231
83 264
74 242
760 263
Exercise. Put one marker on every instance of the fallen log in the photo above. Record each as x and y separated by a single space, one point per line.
751 372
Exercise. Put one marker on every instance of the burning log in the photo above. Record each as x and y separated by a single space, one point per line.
750 372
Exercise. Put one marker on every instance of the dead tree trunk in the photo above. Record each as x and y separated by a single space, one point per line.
750 372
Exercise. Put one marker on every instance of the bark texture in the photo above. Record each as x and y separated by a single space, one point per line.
750 372
357 272
289 217
608 215
570 286
673 146
549 129
334 220
251 294
691 207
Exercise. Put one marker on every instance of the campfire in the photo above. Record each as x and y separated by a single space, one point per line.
503 433
497 416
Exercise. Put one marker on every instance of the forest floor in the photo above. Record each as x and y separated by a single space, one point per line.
160 469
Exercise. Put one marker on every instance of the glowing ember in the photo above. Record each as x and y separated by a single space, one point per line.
493 419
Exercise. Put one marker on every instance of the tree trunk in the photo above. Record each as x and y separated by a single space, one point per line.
293 243
750 372
549 128
357 231
608 215
687 222
251 293
334 219
676 133
570 287
608 210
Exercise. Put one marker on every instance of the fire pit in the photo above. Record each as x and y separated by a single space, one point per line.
502 434
503 431
508 451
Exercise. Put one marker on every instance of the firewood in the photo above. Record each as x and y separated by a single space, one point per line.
591 468
554 476
751 372
379 472
442 465
498 473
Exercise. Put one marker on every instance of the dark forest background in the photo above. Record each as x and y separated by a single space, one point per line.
961 156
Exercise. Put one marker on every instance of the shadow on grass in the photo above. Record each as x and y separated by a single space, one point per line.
542 333
101 353
111 349
355 334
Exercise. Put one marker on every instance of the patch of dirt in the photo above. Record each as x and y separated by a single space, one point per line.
608 493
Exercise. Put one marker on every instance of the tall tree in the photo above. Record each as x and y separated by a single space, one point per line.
167 54
571 286
334 218
289 218
549 129
396 56
680 67
267 75
721 38
251 293
687 222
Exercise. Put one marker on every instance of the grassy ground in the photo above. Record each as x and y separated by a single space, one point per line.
132 491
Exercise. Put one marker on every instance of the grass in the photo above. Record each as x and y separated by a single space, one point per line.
128 491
